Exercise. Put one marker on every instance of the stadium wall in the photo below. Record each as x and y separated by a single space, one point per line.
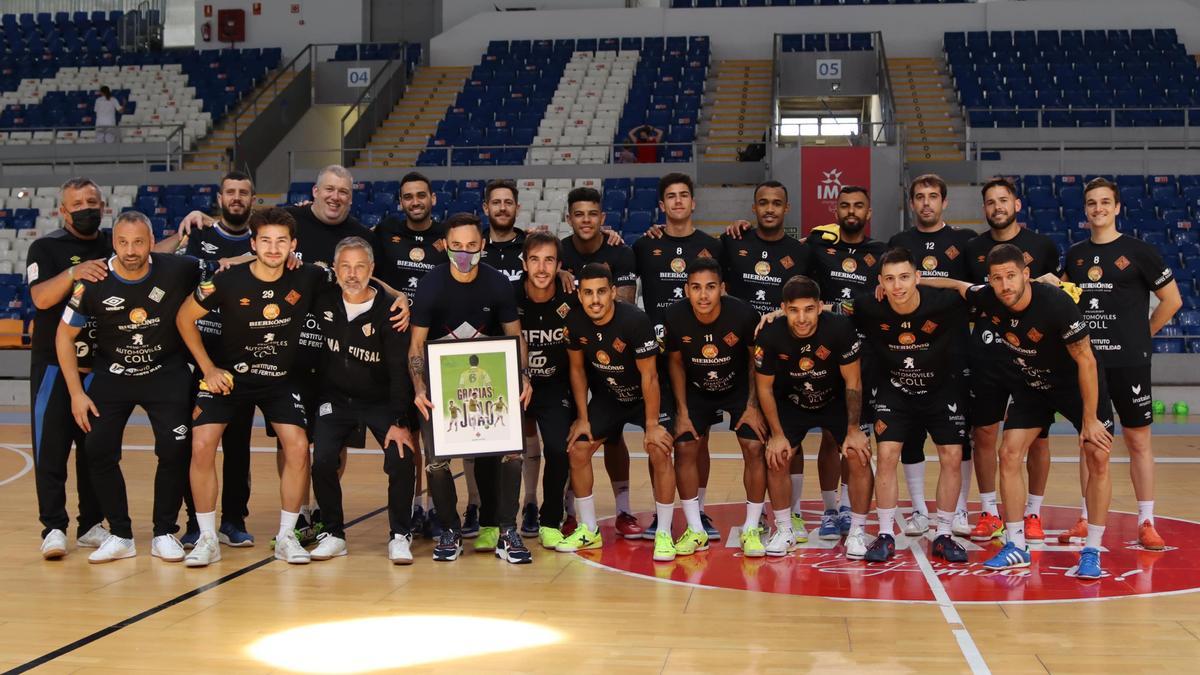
316 21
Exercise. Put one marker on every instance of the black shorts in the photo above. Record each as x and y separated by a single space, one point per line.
280 403
942 413
1129 389
705 410
1034 408
609 416
797 421
308 384
989 395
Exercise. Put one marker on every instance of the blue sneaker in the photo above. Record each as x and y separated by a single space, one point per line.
652 531
1089 564
1010 557
433 526
417 524
882 549
844 520
470 526
232 535
711 530
947 549
829 526
189 538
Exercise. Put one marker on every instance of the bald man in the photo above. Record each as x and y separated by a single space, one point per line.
139 360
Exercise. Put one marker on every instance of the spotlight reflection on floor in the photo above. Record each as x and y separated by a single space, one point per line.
363 645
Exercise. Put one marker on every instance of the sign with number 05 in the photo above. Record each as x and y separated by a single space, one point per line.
829 69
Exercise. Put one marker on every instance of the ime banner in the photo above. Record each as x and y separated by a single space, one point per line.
823 173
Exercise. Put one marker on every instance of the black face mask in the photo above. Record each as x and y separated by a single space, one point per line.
86 221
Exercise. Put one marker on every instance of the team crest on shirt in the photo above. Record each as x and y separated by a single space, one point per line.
1034 334
806 364
869 259
929 263
849 265
730 339
368 329
686 339
395 239
704 253
602 357
1012 339
1094 273
137 315
929 327
563 309
880 427
743 252
156 294
830 251
416 254
1028 258
906 338
980 259
244 302
952 252
678 265
619 345
709 351
271 311
787 262
884 327
762 268
758 356
822 352
656 252
292 297
1122 263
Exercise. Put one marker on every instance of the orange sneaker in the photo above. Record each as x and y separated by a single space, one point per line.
1078 531
1149 538
989 527
1033 528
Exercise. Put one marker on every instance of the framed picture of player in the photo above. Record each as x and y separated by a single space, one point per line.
475 388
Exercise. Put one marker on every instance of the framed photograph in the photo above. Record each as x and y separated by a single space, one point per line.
475 388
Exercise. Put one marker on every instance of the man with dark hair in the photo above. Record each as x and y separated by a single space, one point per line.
411 246
710 340
1117 274
939 250
462 300
587 243
1049 368
612 350
759 263
661 262
55 263
366 384
139 362
505 241
911 332
544 309
808 378
989 398
262 305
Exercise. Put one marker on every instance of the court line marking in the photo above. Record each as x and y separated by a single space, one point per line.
966 644
23 471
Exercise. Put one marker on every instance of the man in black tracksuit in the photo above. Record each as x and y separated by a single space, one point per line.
365 382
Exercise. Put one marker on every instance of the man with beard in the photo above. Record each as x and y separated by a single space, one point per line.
505 241
1117 274
139 362
661 262
55 263
940 252
758 263
989 399
226 239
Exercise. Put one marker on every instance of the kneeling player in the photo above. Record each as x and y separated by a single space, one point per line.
612 350
808 378
709 339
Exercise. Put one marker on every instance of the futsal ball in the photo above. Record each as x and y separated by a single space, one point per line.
1181 407
1159 407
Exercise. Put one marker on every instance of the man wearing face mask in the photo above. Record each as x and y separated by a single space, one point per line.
55 262
461 300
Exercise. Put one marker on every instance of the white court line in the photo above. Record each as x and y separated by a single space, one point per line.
966 644
22 472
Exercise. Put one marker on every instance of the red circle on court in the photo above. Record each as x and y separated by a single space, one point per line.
820 568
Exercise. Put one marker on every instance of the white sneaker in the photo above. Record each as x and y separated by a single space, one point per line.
113 548
856 544
916 525
961 525
782 542
328 546
206 551
93 538
400 549
54 546
288 549
167 547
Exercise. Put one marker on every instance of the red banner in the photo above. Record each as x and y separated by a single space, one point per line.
823 173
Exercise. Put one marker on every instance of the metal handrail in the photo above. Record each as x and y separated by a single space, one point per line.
369 96
272 85
889 101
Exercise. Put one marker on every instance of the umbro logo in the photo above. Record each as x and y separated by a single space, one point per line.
113 301
208 248
180 430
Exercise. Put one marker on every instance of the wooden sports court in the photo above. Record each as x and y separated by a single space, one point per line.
610 610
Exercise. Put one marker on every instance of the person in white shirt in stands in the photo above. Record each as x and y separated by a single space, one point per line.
106 109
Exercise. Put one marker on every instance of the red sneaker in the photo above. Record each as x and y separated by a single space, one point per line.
627 526
1033 528
989 527
1149 538
1078 531
569 525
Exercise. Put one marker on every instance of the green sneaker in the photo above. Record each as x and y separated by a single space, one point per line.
487 540
752 546
581 539
664 548
690 541
799 529
549 537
